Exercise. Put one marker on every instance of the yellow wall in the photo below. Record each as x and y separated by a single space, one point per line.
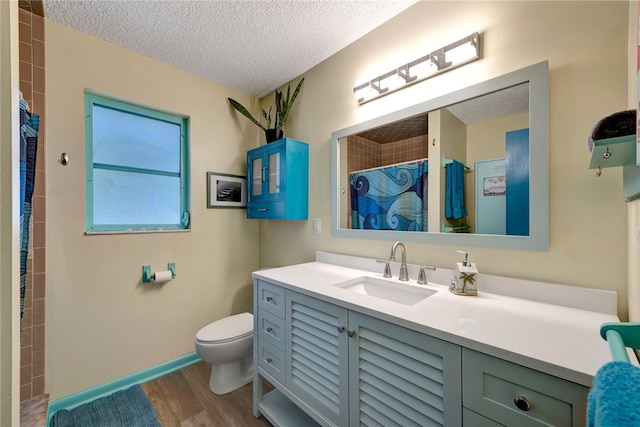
586 46
9 218
102 322
633 208
487 141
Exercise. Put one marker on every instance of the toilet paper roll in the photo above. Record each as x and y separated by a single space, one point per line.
162 276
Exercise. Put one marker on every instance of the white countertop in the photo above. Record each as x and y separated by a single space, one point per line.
556 339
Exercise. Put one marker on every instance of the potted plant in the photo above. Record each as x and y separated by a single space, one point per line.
283 107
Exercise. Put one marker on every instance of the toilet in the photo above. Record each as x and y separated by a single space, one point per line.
228 345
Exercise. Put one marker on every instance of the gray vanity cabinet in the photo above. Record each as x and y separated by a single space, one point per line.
345 368
334 366
514 395
401 377
317 356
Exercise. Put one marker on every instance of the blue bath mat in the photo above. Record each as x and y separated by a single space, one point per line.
125 408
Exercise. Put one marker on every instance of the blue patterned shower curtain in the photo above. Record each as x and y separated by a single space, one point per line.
29 127
390 198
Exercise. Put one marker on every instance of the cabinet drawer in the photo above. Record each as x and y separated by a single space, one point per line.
492 387
271 329
265 210
471 419
271 298
271 360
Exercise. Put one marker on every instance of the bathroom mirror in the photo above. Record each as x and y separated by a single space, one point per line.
497 135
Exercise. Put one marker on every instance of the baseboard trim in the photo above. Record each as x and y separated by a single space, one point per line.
93 393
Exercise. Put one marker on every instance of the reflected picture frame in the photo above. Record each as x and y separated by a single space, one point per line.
226 190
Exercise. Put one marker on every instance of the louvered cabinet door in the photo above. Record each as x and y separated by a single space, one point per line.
399 377
317 357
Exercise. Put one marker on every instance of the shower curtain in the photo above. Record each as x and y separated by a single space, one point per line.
390 198
29 126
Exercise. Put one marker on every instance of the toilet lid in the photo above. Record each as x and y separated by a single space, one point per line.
227 329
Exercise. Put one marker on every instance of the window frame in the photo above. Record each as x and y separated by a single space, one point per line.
93 99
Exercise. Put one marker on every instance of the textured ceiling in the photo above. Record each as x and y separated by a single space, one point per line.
252 46
503 103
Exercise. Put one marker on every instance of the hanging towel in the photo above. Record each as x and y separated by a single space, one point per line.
455 207
614 399
622 123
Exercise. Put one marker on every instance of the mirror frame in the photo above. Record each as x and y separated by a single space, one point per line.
538 77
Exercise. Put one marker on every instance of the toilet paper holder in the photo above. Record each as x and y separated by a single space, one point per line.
147 276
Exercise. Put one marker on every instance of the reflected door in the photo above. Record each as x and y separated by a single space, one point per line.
517 167
490 197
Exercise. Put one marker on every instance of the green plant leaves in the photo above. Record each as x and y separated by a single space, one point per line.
245 112
283 108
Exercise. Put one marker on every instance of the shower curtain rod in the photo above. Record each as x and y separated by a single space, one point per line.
425 159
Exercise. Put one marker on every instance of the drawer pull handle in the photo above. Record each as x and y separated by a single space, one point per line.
522 403
341 328
263 209
269 329
351 332
269 299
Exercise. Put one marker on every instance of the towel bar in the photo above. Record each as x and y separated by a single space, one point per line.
619 336
446 161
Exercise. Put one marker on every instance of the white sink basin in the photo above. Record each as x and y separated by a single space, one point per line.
387 290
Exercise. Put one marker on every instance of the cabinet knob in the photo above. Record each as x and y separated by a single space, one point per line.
351 332
269 299
269 329
269 360
341 328
522 403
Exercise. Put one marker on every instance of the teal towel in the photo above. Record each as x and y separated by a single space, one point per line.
614 399
454 205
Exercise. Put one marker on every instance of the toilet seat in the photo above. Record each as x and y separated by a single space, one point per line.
227 329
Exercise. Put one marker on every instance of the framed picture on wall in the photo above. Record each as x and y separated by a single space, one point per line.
226 191
494 186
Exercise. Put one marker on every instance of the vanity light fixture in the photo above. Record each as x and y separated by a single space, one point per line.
444 59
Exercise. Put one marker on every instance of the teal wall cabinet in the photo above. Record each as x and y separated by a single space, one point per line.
278 180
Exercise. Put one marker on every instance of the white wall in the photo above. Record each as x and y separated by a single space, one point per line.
586 46
102 322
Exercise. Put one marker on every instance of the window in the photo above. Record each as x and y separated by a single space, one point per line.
137 167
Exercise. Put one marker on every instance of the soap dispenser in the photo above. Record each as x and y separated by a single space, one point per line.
465 277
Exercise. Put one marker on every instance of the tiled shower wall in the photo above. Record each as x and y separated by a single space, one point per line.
364 154
32 85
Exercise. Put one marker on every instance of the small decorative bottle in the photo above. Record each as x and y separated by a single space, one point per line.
465 277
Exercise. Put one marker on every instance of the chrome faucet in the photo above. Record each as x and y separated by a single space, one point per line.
404 275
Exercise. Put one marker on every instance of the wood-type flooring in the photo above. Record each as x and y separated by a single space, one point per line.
183 399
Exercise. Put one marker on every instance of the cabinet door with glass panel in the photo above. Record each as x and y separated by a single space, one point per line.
265 179
278 177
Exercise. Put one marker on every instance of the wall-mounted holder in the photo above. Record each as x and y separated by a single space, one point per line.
148 276
447 161
612 152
